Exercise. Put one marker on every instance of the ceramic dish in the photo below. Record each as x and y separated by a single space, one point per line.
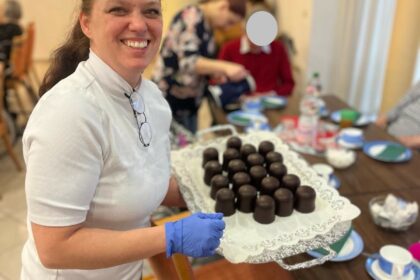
387 151
361 121
348 145
242 118
351 249
334 182
374 270
273 102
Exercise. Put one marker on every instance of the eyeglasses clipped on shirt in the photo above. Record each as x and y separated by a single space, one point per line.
145 130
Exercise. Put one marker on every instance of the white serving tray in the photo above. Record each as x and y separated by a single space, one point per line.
244 239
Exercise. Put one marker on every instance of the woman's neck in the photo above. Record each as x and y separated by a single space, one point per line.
207 12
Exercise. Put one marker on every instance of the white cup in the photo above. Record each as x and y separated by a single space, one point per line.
352 135
395 261
323 170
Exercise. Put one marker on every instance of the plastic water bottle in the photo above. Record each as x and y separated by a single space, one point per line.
308 118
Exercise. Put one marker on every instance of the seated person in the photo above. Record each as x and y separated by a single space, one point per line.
9 28
268 65
403 121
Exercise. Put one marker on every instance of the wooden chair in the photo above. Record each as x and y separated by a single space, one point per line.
21 62
3 126
178 267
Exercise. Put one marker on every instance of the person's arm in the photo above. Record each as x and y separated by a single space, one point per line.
382 121
412 96
285 77
173 197
412 141
81 247
233 71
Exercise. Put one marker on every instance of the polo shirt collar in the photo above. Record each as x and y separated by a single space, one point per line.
107 77
246 48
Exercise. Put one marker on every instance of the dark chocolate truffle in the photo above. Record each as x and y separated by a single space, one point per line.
264 212
239 179
218 182
225 202
246 150
284 202
272 157
265 147
211 168
247 195
210 154
291 182
228 155
234 142
235 166
254 159
305 199
278 170
257 173
269 185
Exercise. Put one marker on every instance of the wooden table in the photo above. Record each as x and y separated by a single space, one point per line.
362 181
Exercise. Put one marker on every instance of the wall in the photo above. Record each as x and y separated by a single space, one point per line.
52 19
295 19
403 52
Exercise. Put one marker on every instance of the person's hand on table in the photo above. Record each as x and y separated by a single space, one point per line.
381 121
235 72
196 236
411 141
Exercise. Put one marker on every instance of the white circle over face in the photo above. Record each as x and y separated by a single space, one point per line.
261 28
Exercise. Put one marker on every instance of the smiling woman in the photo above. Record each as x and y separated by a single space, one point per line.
96 149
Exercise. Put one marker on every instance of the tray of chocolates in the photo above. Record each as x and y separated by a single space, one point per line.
274 204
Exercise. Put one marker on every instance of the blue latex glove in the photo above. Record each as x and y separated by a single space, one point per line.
196 236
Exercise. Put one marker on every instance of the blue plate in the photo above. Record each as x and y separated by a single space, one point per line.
374 148
361 121
372 267
242 118
273 102
351 249
334 182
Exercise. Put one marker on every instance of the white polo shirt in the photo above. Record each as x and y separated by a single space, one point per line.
85 162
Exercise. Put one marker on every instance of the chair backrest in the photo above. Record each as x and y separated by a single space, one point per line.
22 52
29 47
17 56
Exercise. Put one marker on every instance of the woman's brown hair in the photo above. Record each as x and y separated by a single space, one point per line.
66 58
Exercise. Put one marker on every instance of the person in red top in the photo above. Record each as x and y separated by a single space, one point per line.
268 65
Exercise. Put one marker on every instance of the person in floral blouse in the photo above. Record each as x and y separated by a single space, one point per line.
186 58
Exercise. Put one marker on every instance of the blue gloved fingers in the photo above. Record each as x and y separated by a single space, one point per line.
210 215
197 235
218 225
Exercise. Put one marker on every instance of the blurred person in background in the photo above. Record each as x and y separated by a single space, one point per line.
403 121
96 149
10 14
187 55
268 65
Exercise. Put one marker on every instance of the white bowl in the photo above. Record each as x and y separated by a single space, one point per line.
340 158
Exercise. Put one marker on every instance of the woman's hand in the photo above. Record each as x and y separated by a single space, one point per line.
381 121
411 141
197 235
234 72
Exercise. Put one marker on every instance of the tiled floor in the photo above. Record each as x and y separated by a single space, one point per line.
12 217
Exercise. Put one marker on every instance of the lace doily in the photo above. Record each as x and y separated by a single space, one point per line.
244 239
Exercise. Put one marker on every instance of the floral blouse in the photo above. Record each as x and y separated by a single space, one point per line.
189 37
